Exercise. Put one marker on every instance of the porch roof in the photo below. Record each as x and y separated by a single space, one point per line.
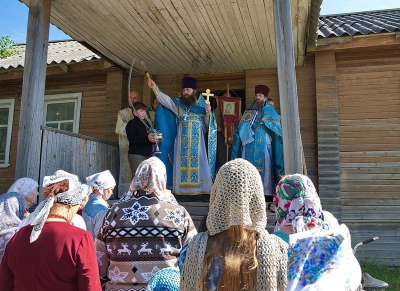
182 37
59 52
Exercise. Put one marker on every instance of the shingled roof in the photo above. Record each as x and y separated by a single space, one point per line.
59 52
358 23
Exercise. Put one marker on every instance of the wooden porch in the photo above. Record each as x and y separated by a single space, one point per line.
350 139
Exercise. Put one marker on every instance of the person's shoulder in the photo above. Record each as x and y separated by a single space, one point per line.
93 207
78 221
330 220
129 203
282 235
78 234
74 231
10 195
268 108
123 203
173 205
124 110
132 121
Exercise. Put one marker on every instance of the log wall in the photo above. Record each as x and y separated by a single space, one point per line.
369 134
102 98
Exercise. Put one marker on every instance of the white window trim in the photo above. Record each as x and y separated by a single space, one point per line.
60 98
8 103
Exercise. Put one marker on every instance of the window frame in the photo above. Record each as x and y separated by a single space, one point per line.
61 98
10 104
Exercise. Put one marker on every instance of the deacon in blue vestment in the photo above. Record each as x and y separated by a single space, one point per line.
260 141
194 147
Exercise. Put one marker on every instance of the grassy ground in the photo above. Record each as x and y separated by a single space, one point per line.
391 275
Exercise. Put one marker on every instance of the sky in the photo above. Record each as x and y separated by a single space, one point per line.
14 15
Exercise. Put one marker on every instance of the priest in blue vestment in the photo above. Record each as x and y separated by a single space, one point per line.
193 130
259 140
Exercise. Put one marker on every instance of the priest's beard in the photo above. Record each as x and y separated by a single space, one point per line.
258 105
188 99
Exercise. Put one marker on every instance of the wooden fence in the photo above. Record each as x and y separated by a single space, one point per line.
77 154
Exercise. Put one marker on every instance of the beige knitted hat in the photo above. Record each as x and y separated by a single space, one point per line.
237 198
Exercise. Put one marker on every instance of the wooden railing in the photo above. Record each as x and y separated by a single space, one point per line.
78 154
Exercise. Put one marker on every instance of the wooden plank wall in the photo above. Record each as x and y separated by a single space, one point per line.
93 107
101 101
369 126
11 90
306 91
137 85
80 155
328 132
171 84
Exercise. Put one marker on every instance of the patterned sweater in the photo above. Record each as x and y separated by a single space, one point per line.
139 237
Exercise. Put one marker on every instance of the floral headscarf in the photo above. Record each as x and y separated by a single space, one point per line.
151 177
297 204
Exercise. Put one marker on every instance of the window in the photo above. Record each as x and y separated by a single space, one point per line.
6 121
62 111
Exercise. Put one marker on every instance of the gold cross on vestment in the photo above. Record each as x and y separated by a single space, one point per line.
207 94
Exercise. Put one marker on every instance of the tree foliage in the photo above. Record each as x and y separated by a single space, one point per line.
7 47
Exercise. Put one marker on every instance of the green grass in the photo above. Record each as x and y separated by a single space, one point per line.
391 275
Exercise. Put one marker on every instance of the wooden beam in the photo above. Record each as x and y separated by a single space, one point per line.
11 74
292 148
63 67
357 42
33 86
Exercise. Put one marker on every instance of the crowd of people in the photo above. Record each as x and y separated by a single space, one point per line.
75 240
147 241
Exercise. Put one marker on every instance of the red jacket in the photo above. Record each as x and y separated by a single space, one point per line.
63 258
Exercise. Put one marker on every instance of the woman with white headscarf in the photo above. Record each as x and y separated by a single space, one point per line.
78 220
13 208
236 253
320 253
47 252
143 233
96 207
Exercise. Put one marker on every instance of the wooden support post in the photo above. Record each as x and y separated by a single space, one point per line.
287 87
32 98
